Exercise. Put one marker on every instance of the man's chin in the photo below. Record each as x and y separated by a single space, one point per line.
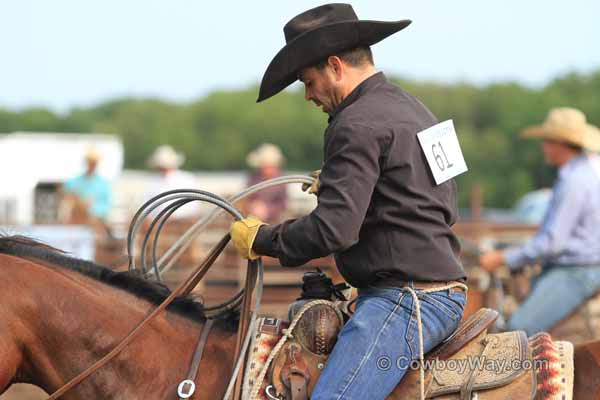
323 108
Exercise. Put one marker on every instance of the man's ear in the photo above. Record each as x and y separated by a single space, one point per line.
337 66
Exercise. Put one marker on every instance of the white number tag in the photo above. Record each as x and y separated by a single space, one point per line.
442 151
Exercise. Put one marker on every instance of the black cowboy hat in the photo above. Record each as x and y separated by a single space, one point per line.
319 33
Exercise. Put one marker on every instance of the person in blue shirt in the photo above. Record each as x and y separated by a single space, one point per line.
567 244
91 189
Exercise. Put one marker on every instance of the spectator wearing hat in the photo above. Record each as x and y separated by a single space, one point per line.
167 161
567 243
88 194
267 204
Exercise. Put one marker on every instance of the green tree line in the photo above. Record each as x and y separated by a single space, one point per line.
217 131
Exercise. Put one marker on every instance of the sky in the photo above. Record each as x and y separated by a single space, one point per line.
76 53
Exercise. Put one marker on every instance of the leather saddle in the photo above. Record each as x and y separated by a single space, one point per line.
471 363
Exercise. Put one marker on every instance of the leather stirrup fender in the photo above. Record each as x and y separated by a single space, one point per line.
295 374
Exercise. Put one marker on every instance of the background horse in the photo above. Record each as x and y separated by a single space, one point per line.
59 315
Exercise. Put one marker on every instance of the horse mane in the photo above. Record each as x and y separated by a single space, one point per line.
152 291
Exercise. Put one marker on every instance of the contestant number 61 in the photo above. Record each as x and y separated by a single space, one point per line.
441 159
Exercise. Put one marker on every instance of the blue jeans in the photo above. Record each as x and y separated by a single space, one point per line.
556 293
376 346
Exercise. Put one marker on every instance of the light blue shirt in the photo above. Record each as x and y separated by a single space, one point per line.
94 189
570 230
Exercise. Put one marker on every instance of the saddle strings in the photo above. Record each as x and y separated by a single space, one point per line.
417 304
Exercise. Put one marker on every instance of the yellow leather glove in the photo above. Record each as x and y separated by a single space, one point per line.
314 188
243 234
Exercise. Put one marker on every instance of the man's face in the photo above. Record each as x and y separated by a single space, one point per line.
320 87
165 170
91 166
553 151
269 171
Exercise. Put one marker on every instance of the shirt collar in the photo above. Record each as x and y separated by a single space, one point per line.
566 169
363 87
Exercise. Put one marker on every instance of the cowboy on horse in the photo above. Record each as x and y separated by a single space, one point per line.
380 211
567 241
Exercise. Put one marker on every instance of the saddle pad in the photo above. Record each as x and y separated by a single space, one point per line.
554 367
502 362
264 339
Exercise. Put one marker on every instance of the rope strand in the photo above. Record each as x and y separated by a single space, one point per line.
287 333
417 304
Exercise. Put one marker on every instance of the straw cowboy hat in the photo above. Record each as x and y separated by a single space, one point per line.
316 34
93 154
166 157
567 125
265 154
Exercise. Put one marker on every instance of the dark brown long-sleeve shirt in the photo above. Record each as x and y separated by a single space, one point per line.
379 210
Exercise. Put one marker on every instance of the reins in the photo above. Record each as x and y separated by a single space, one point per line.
177 199
183 289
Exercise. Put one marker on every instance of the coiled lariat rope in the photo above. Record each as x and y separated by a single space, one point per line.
175 251
178 199
173 200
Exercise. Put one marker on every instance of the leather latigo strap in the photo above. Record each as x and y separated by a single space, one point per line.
182 290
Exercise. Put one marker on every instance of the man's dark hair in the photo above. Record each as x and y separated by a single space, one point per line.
355 57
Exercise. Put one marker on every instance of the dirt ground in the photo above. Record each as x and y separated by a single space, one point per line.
24 392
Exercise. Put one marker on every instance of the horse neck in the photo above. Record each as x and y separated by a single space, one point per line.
67 321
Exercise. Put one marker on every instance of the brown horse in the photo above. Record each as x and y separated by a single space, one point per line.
58 315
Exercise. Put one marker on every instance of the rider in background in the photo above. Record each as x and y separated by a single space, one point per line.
87 197
567 243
